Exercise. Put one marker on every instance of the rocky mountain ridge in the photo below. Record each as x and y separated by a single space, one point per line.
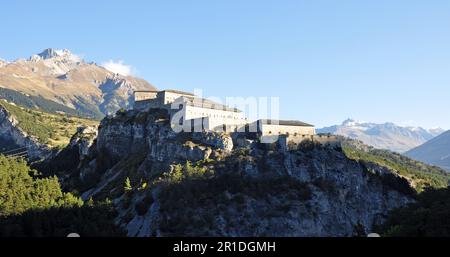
65 78
384 136
434 152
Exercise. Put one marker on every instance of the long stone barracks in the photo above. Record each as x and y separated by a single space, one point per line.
192 113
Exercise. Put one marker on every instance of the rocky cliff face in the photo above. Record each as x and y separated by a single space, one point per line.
11 133
211 184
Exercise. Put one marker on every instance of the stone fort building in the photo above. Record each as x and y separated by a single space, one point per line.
204 115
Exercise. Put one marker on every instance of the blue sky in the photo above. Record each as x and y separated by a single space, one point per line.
326 60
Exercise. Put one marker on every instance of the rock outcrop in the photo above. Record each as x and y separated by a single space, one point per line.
83 140
207 184
15 136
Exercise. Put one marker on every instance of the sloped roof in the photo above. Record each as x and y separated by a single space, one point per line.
168 90
285 123
177 92
146 91
208 104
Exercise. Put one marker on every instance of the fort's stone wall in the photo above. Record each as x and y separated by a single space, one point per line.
291 142
144 95
274 129
148 104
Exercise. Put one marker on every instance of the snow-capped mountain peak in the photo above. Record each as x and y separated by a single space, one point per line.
384 135
415 129
51 54
349 122
436 131
356 124
58 62
63 77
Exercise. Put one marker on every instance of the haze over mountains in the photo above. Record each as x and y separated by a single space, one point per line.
66 79
435 151
384 136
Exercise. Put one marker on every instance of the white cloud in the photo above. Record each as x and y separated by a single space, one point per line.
119 67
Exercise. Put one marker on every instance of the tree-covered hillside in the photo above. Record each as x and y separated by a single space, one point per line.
20 192
428 217
34 206
419 175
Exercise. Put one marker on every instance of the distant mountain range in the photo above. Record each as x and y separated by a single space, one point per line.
435 151
66 79
384 136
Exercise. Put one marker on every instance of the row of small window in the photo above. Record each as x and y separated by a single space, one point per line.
287 134
215 115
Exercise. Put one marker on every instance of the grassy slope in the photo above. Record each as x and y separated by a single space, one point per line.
419 174
54 130
38 102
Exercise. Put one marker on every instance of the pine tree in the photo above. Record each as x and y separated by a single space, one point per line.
90 202
128 187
